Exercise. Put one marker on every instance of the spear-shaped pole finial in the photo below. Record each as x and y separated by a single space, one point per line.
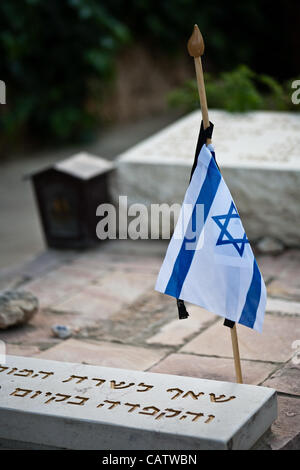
196 49
196 44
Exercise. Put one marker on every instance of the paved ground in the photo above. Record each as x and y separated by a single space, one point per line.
106 296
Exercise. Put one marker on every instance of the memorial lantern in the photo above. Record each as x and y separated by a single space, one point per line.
67 196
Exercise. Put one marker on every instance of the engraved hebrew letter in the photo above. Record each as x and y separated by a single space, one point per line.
197 415
82 401
113 404
78 377
64 397
133 406
100 382
146 408
179 392
120 385
36 394
218 399
13 370
47 374
21 392
24 373
147 387
50 399
175 412
195 396
3 368
209 419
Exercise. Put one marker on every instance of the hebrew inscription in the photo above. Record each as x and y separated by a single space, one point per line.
113 408
112 390
25 372
115 384
57 397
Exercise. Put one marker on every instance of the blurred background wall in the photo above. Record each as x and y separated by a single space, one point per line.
72 66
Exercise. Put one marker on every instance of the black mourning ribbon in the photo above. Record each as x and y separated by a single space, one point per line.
182 311
204 134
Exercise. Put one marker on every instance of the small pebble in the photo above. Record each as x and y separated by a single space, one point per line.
269 245
290 414
61 331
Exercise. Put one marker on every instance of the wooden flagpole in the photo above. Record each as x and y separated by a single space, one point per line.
236 355
196 49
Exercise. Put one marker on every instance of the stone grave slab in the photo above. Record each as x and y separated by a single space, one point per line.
259 156
54 404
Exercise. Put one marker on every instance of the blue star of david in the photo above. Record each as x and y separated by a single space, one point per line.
238 243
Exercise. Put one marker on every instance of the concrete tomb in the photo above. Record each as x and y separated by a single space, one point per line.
49 404
259 157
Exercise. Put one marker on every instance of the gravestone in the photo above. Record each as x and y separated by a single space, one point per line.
53 404
259 157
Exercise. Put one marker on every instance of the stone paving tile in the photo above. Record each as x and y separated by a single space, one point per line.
108 294
129 254
273 266
59 284
91 302
175 332
269 267
274 344
21 350
285 431
212 368
95 268
9 279
127 286
133 323
284 270
282 306
104 354
284 289
124 262
34 268
286 379
46 261
132 248
63 283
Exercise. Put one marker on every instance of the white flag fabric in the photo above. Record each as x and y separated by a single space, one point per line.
209 261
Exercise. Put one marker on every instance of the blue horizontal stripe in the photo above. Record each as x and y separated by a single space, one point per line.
249 311
185 256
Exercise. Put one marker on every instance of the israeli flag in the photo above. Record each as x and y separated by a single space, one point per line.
209 261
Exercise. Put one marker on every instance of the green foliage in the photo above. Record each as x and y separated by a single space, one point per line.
239 90
58 56
50 53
